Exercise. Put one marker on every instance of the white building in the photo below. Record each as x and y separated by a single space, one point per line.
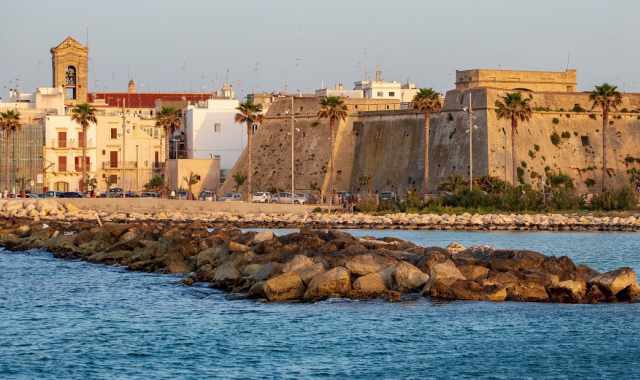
340 91
379 89
374 89
211 130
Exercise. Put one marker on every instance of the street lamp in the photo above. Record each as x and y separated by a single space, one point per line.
293 162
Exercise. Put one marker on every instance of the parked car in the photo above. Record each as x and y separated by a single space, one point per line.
261 197
34 196
283 197
301 199
345 196
388 196
71 194
52 194
149 194
207 195
228 197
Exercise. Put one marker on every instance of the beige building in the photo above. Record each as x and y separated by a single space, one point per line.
537 81
130 149
207 169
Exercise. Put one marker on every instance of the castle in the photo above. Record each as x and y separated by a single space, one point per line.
381 147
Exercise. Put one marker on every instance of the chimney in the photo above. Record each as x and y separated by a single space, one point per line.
132 87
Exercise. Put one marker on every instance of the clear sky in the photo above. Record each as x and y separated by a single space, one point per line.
182 45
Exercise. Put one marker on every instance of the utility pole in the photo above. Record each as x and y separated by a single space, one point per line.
124 132
470 145
293 162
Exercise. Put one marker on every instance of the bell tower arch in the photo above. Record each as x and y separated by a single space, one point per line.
70 61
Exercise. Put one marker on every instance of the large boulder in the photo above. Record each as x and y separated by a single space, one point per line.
287 286
527 291
213 256
455 248
335 282
568 291
372 284
467 290
507 260
407 277
445 272
225 275
615 281
309 272
263 236
361 265
473 272
297 263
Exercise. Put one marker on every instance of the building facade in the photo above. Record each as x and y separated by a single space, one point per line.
62 153
211 131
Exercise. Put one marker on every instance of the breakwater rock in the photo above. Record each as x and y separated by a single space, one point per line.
313 264
64 210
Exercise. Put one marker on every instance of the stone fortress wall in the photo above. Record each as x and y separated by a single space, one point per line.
385 143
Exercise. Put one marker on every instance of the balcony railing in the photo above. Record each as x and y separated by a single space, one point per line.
120 165
69 144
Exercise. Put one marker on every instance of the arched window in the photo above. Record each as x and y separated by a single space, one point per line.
70 78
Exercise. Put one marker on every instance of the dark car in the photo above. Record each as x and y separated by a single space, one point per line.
71 194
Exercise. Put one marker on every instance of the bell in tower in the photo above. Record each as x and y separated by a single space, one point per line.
70 61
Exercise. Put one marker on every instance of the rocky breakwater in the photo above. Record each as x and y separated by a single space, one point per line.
312 265
51 209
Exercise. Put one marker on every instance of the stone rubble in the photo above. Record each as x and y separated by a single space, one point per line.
51 209
315 264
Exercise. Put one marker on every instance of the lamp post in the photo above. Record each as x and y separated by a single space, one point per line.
291 113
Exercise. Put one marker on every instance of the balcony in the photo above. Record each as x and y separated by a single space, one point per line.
120 165
68 144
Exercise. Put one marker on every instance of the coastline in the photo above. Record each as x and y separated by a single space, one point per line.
246 215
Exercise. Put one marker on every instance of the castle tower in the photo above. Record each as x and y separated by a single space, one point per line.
132 87
70 61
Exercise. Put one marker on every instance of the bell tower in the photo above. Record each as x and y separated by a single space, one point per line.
70 61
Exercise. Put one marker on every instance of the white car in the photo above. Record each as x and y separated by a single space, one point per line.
228 197
301 199
261 197
284 197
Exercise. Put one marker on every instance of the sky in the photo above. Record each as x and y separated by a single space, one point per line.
270 45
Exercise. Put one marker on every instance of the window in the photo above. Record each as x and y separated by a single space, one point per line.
81 139
70 93
62 139
62 163
391 93
380 94
156 158
217 128
114 133
584 140
113 159
78 163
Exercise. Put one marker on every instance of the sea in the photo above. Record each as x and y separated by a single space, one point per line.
63 319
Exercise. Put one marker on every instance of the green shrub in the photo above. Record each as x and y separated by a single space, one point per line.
612 200
589 182
555 139
555 120
592 116
366 205
536 147
566 135
520 174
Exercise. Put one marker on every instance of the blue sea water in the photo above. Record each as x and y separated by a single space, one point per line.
75 320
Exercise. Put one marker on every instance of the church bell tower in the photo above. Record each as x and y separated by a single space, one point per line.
70 61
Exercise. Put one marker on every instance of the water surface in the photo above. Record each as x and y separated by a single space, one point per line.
75 320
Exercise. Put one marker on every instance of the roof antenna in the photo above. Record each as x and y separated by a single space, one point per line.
568 59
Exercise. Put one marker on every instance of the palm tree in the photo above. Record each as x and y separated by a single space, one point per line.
250 114
426 101
239 179
169 119
191 180
10 121
513 107
334 109
608 98
84 114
